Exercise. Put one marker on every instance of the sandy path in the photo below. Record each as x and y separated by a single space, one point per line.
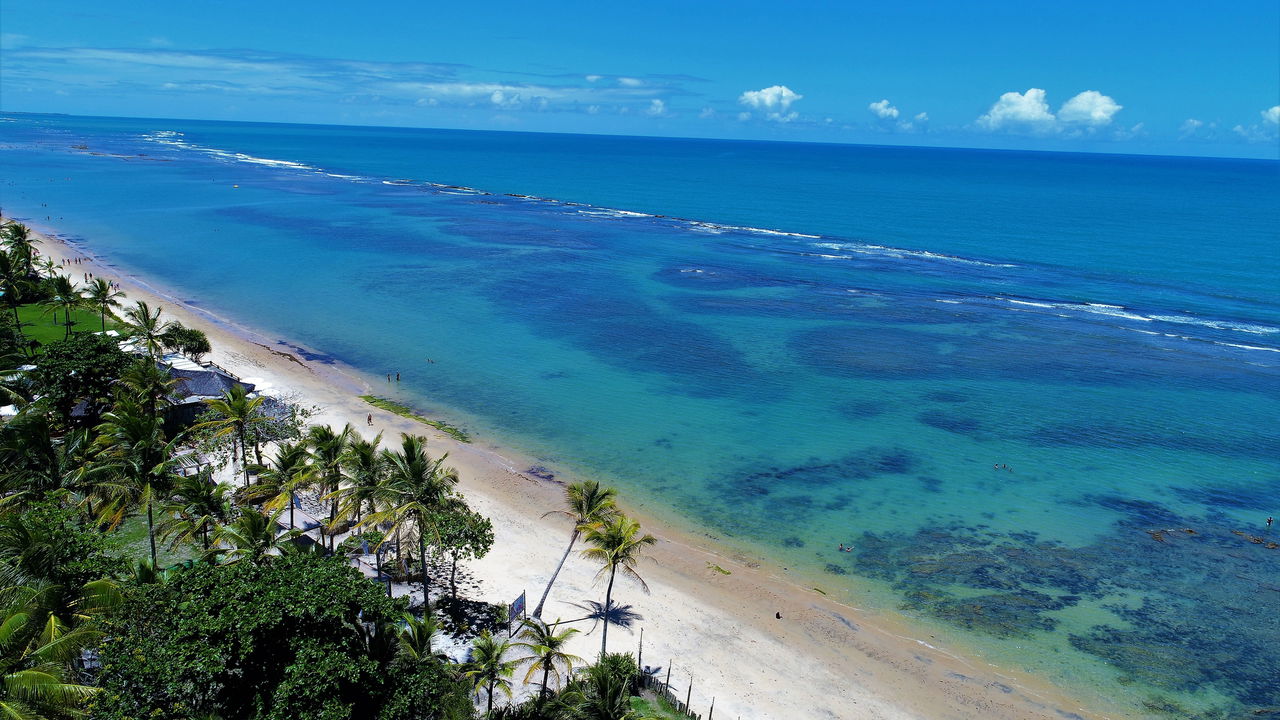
823 659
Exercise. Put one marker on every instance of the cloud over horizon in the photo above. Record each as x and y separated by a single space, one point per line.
775 100
1029 113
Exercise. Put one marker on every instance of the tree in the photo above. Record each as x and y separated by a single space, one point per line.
64 296
189 341
412 493
135 465
587 503
487 669
146 325
35 661
35 461
15 283
198 506
83 367
150 383
279 483
418 635
328 453
462 533
20 243
253 537
102 295
548 652
49 541
303 636
365 467
237 412
617 545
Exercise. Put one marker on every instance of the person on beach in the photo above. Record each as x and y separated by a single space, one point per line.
397 377
370 420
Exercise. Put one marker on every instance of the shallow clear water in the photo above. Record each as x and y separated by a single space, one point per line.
1106 327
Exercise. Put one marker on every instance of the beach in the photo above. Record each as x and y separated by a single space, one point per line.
711 615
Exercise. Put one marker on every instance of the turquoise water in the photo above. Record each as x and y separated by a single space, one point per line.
793 346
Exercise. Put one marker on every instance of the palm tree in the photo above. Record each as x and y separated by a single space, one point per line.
34 461
418 635
279 482
63 296
150 383
587 504
487 669
146 324
238 413
328 453
21 244
136 464
412 491
252 536
548 648
198 506
35 658
616 544
14 282
103 295
365 466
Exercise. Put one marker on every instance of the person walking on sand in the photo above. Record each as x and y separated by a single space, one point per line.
370 419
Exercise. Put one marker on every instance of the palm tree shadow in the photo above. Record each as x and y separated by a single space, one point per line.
622 616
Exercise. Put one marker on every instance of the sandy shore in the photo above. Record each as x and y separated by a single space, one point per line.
822 659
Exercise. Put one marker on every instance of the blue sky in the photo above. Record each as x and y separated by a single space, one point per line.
1147 77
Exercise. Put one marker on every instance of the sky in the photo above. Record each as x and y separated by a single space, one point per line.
1182 78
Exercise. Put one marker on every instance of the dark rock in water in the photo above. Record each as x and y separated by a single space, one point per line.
1002 615
541 473
836 569
861 409
930 484
951 422
793 542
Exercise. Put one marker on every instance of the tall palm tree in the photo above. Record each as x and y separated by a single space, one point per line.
19 241
487 669
34 460
238 413
411 493
548 652
35 661
64 296
279 482
102 294
365 466
328 453
587 503
149 383
135 465
15 281
617 545
146 325
198 507
252 536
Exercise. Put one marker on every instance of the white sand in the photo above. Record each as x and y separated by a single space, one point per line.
823 659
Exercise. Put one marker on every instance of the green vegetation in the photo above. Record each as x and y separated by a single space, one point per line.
656 709
406 411
131 587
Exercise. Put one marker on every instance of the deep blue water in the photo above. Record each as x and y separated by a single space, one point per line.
793 346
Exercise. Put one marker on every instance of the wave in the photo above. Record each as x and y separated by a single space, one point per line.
887 251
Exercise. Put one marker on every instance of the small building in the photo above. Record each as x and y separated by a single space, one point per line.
195 384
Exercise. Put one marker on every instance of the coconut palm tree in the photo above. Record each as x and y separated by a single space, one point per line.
412 491
146 325
365 467
617 545
63 296
279 482
35 461
20 243
15 282
586 503
102 295
135 465
418 636
237 414
252 536
487 669
548 652
149 383
35 660
328 453
198 507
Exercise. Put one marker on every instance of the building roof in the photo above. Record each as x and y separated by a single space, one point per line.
197 384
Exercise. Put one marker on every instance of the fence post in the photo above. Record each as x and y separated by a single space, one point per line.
689 695
712 711
667 685
640 652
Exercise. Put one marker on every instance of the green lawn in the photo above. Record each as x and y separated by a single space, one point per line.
38 325
131 537
656 709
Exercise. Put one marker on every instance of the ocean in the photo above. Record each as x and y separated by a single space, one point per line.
1037 393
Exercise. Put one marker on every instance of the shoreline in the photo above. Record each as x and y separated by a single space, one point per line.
824 658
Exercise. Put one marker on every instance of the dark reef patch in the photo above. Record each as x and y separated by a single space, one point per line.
952 422
946 396
862 409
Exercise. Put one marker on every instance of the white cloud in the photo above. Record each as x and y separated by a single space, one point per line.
1268 131
657 108
744 116
593 109
1271 115
707 113
630 82
776 99
922 117
1090 108
1016 111
1189 127
1029 112
883 110
592 78
502 99
1129 134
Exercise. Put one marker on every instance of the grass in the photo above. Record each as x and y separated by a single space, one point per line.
132 539
38 325
656 709
406 411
